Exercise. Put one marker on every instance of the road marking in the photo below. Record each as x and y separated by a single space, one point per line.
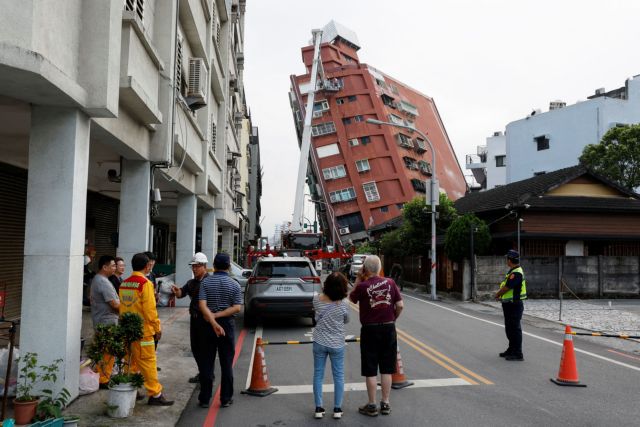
258 334
625 355
436 356
588 353
307 389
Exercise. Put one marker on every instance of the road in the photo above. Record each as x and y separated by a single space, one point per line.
450 350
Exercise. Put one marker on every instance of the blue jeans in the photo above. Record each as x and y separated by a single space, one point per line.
336 355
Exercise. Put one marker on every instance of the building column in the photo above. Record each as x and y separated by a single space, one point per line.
134 220
227 240
209 234
185 237
54 239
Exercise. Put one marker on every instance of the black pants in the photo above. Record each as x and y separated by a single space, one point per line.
198 335
512 318
225 347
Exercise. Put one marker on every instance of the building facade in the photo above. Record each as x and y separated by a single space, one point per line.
489 164
121 125
362 174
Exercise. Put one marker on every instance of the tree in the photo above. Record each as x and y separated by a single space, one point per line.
617 156
457 241
367 248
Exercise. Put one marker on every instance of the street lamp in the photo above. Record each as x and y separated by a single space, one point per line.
434 200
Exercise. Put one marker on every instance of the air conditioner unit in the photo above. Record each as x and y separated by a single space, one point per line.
317 114
344 230
196 90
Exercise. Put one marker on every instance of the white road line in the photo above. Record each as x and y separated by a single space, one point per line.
257 335
306 389
588 353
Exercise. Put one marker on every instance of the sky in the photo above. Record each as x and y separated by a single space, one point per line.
485 63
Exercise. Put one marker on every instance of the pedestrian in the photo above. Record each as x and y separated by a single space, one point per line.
116 278
513 290
136 296
151 275
380 305
220 300
331 313
105 308
197 324
396 275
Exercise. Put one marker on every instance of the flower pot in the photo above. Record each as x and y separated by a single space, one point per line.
24 411
122 399
71 421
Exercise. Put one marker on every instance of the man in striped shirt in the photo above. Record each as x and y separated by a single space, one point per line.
219 301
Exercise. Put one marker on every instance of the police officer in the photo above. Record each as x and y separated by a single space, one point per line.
513 290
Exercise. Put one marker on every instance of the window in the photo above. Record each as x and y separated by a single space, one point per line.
334 172
384 208
327 150
419 185
542 142
387 100
323 129
353 142
320 106
351 98
420 145
394 89
425 167
410 163
180 82
395 119
371 191
365 140
346 120
363 165
136 6
340 101
347 58
212 137
400 206
359 118
501 161
404 141
381 83
342 195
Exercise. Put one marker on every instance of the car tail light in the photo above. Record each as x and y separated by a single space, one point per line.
311 279
253 280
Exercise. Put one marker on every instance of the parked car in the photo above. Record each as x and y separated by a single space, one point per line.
281 287
239 274
356 265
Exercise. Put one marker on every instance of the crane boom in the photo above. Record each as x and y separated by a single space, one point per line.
305 146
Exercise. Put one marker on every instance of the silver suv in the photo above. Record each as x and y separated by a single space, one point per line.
357 261
281 287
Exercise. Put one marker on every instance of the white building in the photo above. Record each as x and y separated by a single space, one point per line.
489 165
544 142
120 126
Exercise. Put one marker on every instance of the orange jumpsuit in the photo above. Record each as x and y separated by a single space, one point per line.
137 296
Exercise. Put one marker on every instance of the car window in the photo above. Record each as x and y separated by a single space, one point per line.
235 269
284 269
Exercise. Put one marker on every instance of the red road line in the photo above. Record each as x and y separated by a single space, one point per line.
625 355
210 421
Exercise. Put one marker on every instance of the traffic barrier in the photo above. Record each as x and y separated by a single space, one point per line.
568 372
599 334
399 379
260 385
301 342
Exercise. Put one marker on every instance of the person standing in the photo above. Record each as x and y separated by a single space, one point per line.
197 324
513 290
380 305
105 308
220 300
116 278
331 313
136 296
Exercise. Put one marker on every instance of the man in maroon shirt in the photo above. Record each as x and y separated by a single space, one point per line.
380 305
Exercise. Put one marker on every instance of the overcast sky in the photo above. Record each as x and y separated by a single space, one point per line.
485 63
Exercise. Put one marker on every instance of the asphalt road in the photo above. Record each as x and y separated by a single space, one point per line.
450 350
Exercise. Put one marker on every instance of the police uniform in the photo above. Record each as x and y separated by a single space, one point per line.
513 307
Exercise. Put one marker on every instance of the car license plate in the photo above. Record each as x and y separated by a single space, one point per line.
284 288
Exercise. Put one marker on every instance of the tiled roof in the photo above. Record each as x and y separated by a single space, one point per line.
531 191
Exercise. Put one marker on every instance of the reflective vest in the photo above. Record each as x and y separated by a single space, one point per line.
137 296
508 296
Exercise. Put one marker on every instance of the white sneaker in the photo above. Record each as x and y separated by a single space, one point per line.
337 413
319 413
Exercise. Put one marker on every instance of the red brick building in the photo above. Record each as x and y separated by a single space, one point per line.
364 173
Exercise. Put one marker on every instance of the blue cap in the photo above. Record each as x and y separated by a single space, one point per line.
513 254
222 261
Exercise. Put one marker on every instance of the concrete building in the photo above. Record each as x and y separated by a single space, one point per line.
254 190
362 174
120 127
489 165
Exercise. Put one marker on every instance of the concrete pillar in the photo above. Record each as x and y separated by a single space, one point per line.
134 221
227 240
54 239
185 237
209 234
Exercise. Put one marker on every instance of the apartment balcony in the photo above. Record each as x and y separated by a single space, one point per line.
408 108
478 166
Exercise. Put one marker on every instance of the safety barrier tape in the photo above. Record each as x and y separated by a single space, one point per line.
301 342
598 334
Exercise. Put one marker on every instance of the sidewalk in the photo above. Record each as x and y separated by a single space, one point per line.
176 363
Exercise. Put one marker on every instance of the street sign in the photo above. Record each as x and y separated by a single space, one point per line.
436 185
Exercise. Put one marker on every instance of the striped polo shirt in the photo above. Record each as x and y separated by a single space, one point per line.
330 320
220 291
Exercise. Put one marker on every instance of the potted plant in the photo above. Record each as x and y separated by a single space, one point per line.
25 402
116 340
50 404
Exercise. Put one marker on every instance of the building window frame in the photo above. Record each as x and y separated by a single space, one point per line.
343 195
501 161
325 128
363 165
542 142
371 191
334 172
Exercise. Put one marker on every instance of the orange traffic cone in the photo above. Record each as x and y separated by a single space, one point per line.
399 379
260 385
568 373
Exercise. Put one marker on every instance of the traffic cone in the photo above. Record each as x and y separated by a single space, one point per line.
260 385
568 373
399 379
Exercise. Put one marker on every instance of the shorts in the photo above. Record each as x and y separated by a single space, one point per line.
378 349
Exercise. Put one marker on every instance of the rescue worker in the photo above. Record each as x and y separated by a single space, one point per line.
137 296
513 290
